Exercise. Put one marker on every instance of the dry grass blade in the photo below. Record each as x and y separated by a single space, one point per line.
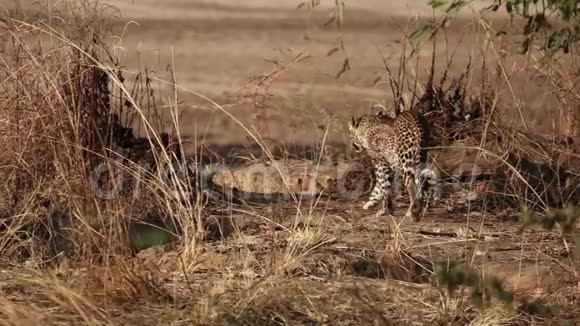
54 300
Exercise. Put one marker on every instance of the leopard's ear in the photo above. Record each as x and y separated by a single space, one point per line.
352 121
355 121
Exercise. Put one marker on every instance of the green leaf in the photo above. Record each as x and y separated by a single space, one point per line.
415 37
345 68
476 298
437 3
508 7
552 40
567 8
330 20
419 32
455 6
332 51
493 7
530 26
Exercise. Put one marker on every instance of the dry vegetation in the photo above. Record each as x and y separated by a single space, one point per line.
104 224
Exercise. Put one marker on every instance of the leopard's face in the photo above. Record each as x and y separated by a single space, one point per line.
360 128
356 133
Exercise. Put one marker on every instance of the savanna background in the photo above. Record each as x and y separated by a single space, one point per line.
157 93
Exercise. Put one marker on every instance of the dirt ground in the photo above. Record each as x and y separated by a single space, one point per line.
324 262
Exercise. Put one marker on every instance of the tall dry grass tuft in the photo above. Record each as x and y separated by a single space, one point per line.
80 189
57 120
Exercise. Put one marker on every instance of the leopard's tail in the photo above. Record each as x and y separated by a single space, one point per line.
428 183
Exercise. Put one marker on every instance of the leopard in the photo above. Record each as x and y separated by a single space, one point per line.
396 145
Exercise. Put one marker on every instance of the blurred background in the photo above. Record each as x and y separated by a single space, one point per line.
216 48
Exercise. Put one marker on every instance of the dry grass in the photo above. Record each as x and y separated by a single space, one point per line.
80 248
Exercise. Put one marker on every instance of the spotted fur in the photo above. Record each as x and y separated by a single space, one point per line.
394 145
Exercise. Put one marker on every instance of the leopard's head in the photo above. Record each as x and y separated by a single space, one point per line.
356 133
362 126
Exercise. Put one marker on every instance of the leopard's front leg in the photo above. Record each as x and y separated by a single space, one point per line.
382 191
